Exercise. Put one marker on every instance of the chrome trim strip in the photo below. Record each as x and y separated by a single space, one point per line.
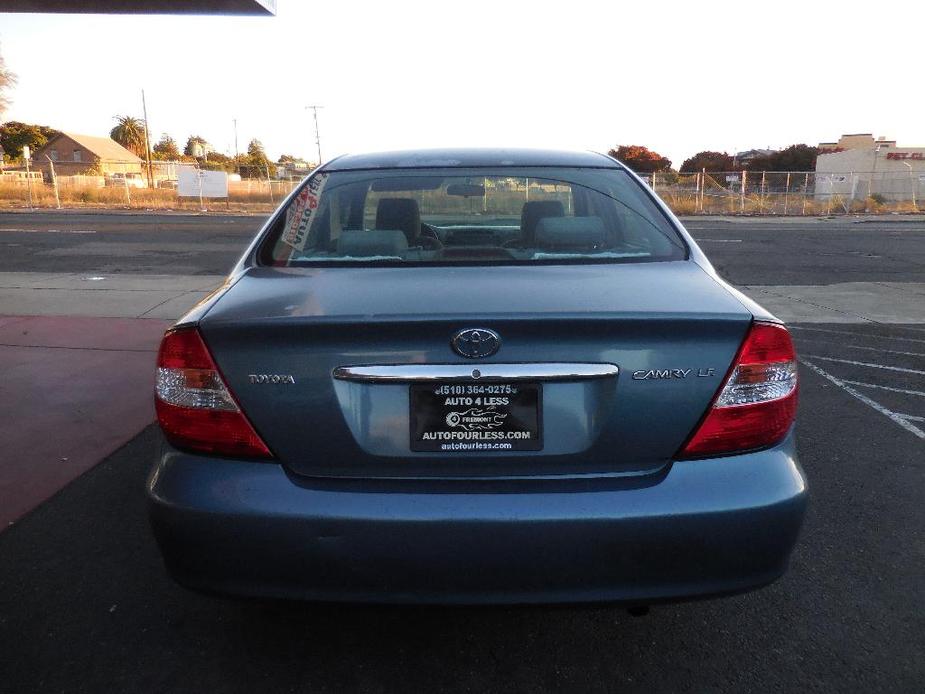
534 371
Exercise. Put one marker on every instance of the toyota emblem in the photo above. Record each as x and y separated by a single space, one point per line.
476 343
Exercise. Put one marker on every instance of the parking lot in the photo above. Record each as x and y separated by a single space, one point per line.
85 604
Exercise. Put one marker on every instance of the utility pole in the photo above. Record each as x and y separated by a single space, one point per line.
870 181
703 185
742 192
237 162
27 154
54 181
317 134
144 109
914 185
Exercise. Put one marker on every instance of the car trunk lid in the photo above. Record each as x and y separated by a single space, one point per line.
668 329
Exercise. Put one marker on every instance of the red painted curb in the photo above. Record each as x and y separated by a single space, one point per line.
73 390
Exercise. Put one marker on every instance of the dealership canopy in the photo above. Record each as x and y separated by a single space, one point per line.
230 7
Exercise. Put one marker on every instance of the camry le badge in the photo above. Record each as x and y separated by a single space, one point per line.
660 374
476 343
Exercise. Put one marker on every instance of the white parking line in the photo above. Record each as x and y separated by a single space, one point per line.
904 391
867 364
895 417
868 349
846 332
719 240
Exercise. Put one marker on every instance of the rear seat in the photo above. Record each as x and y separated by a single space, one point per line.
570 233
382 242
532 213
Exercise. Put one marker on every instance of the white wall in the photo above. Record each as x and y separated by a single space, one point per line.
855 173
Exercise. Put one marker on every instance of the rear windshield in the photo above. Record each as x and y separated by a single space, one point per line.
477 216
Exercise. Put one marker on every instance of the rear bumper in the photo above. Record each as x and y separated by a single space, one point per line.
702 528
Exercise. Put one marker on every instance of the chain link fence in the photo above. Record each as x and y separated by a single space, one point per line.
789 192
19 190
723 193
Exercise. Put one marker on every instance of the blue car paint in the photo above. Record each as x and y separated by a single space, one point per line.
348 513
696 528
308 321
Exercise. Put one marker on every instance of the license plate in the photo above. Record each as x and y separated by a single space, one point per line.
459 417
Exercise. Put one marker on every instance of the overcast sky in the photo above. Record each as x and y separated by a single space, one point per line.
677 77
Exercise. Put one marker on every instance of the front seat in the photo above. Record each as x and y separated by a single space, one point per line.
402 214
532 213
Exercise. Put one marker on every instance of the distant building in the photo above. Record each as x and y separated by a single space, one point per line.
200 149
858 166
165 170
298 168
75 154
743 159
863 141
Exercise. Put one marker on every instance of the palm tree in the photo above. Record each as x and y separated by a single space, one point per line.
130 133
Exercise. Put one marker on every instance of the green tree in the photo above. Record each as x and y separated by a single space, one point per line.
14 135
640 159
793 158
130 133
7 80
255 163
255 150
711 161
166 149
216 161
195 145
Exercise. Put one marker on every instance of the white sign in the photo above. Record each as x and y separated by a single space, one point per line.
193 182
301 212
732 179
26 153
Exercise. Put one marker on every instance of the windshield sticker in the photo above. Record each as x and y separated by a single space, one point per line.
301 212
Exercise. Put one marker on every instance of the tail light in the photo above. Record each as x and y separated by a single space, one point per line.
757 404
195 408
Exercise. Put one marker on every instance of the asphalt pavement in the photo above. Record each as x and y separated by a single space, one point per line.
813 251
746 251
123 242
86 606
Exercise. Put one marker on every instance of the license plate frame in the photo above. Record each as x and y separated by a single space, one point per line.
489 417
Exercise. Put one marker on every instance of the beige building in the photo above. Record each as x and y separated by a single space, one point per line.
75 154
858 166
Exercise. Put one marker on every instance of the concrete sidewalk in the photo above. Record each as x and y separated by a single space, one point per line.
831 220
103 295
77 354
73 391
847 302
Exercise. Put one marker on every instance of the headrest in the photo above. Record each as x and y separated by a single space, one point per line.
359 244
535 210
399 213
570 232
